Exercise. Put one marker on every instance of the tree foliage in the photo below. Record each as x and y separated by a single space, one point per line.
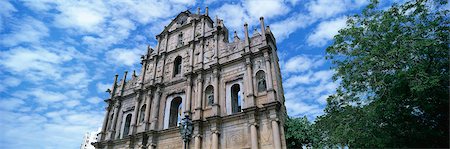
299 132
394 82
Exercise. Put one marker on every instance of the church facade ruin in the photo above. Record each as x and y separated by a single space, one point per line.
232 91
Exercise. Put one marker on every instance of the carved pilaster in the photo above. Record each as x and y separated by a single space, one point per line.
155 108
250 101
198 103
270 90
114 122
216 106
188 94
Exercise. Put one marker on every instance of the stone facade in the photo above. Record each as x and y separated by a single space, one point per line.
231 90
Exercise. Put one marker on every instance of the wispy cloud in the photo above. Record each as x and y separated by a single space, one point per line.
301 63
121 56
29 30
307 85
325 31
249 12
316 10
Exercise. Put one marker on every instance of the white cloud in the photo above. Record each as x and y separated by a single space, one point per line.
265 8
11 103
235 20
305 79
9 82
139 10
301 63
46 97
29 30
77 80
308 99
5 12
316 11
94 100
7 8
89 16
284 28
105 24
327 8
249 12
298 108
71 103
57 125
84 18
323 99
306 86
325 31
117 31
36 63
128 57
102 87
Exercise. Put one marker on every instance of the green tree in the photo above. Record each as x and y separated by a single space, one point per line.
298 132
394 81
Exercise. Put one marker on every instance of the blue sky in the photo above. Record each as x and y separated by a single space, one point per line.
57 58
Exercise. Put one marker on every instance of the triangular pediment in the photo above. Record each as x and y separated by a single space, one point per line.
181 19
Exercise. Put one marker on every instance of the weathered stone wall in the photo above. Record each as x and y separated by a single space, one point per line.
207 59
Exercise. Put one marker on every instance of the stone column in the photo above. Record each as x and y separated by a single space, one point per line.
155 60
215 139
268 71
216 108
188 95
105 120
198 105
263 30
276 134
269 81
250 102
105 123
247 40
114 121
118 127
155 109
197 141
134 117
254 136
147 110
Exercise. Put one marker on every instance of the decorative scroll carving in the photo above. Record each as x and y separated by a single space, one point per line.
258 64
235 138
209 51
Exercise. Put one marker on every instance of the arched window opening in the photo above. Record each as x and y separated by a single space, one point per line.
236 98
142 114
177 66
261 79
209 94
126 129
175 112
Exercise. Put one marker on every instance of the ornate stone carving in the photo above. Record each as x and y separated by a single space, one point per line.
210 51
235 138
221 129
258 64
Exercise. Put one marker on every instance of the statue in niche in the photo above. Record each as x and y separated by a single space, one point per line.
210 99
261 81
209 95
